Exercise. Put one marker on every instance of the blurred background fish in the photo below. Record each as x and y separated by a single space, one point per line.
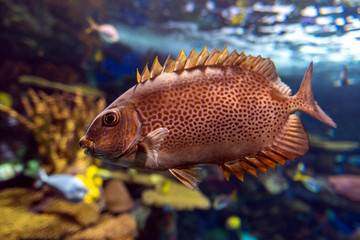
67 186
107 31
347 185
224 200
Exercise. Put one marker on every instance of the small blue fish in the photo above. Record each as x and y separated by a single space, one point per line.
223 200
310 183
68 186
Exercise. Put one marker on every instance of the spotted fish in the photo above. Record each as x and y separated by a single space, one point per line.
209 108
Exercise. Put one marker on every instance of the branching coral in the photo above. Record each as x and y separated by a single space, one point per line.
84 213
165 192
178 197
58 121
122 227
18 222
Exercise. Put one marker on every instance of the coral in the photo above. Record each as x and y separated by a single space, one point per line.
84 213
122 227
73 88
19 223
334 146
166 192
178 197
92 182
117 197
58 121
19 197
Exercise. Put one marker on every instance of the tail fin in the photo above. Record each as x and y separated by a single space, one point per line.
42 177
308 103
93 25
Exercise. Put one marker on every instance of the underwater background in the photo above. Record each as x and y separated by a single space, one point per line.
63 62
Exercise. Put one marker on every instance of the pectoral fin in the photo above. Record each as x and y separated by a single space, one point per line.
188 176
151 144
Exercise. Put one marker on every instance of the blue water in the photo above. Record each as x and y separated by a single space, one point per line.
49 39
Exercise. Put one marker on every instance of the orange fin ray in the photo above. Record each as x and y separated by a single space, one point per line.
291 142
263 66
190 177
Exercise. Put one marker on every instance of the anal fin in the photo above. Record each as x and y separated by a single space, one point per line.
190 177
291 142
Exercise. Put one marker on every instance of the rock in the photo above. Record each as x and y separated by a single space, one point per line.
117 197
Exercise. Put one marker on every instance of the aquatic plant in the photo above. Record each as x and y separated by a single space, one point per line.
58 120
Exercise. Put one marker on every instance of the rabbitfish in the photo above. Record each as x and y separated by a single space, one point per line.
209 108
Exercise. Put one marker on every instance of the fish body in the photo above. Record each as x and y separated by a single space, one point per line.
223 200
68 186
107 31
209 108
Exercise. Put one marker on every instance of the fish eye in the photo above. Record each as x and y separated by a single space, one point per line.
110 119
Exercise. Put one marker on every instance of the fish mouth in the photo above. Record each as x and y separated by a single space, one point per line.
89 147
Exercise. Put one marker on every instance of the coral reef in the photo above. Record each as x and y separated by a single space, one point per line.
332 146
117 197
83 213
18 222
58 219
164 191
122 227
58 120
178 197
15 197
73 88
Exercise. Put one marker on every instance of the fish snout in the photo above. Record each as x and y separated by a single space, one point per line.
85 143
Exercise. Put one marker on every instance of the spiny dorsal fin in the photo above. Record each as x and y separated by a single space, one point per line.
192 59
224 55
291 142
213 57
156 68
180 61
263 66
169 65
145 74
203 57
282 87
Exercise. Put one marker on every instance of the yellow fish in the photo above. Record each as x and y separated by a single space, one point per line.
209 108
